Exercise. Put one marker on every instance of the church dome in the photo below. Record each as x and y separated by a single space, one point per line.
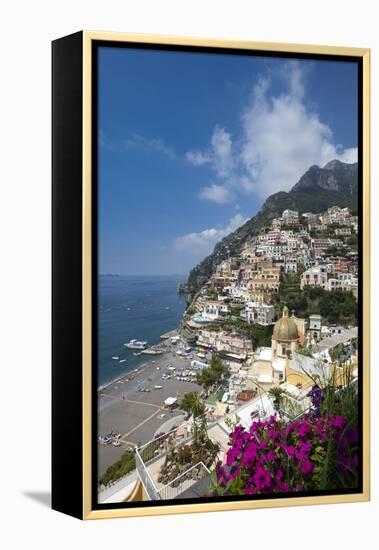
286 328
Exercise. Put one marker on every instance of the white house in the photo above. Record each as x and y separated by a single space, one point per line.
257 312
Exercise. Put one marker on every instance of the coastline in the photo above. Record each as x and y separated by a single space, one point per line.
148 357
143 307
137 415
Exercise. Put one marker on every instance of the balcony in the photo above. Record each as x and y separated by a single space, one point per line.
149 461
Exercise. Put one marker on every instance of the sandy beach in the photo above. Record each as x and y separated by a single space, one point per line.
134 414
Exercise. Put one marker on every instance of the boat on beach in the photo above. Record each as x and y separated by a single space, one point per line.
136 344
152 351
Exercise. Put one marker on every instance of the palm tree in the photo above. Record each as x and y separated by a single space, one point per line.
197 405
192 403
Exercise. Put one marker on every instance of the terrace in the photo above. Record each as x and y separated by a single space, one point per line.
151 457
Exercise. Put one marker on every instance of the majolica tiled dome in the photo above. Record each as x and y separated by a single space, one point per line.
285 329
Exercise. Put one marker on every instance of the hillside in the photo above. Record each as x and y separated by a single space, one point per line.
336 184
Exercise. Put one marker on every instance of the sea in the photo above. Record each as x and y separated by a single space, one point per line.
141 307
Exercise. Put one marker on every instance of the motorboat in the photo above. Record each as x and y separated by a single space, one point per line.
136 344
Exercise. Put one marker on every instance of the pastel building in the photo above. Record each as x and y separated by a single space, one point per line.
315 277
258 312
290 217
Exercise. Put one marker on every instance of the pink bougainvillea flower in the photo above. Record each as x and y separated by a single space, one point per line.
262 479
231 456
250 455
290 449
338 421
306 466
271 456
305 447
304 429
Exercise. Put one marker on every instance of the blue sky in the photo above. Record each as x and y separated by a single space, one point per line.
191 144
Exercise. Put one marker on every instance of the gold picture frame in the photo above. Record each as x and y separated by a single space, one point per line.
83 507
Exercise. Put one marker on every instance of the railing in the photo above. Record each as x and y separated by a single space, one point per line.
145 478
147 454
156 447
153 451
183 482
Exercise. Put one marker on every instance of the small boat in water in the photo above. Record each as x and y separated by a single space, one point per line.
136 344
122 360
115 357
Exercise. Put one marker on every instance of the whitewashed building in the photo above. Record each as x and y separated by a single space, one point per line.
314 276
257 312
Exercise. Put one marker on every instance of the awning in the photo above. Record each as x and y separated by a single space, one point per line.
170 401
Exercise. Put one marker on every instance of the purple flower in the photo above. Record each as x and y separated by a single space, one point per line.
279 475
276 457
304 429
222 476
350 437
271 456
262 478
317 399
305 446
290 449
250 455
231 456
306 466
338 422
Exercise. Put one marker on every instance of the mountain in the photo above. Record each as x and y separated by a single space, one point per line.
336 184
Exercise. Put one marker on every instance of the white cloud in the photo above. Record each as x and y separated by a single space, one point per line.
202 243
153 144
216 193
197 158
280 139
220 154
348 155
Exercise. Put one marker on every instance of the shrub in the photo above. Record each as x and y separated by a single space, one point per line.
313 453
119 469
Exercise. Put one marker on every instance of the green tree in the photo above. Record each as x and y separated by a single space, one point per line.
191 403
125 464
213 374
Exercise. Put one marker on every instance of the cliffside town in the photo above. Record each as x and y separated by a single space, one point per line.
336 184
271 324
306 262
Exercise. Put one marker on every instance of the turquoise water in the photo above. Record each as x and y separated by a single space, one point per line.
140 307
